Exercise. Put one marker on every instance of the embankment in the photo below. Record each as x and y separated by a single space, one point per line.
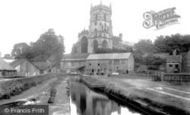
17 86
146 106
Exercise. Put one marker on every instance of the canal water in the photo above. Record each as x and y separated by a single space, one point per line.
84 101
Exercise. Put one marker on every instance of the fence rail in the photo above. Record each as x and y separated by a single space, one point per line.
170 77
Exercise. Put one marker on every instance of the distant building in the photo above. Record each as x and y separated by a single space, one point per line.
98 37
174 63
25 68
99 64
5 69
104 64
73 62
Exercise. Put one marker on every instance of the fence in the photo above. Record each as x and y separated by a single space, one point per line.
177 77
169 77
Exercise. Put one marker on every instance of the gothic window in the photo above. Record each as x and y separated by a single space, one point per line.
84 45
105 17
105 44
96 17
95 43
105 27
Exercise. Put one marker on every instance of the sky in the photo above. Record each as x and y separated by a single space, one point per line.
26 20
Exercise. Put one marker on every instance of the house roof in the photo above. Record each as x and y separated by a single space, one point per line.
109 56
38 65
8 60
17 62
174 59
70 57
4 65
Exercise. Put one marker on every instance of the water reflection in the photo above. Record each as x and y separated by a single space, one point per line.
86 102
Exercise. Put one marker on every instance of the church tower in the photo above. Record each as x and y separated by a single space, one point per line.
100 28
100 21
99 35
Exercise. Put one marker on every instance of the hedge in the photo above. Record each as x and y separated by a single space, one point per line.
17 86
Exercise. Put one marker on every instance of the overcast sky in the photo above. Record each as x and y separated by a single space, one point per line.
26 20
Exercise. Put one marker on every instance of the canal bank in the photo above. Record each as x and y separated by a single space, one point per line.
53 93
137 98
84 101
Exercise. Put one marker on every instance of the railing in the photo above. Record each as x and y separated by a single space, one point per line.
177 77
169 77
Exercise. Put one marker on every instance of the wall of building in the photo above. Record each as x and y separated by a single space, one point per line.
186 62
27 69
131 63
105 67
173 67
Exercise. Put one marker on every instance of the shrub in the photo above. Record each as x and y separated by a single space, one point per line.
16 86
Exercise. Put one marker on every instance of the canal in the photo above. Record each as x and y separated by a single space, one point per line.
81 100
84 101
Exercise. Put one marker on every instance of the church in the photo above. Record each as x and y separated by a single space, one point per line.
98 37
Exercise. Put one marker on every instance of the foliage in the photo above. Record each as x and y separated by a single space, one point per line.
173 42
144 46
14 87
20 50
141 48
152 62
163 44
45 47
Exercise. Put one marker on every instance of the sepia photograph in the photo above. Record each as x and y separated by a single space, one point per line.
94 57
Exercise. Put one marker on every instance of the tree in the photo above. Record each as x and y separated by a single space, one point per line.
152 62
173 42
48 45
141 48
144 46
20 50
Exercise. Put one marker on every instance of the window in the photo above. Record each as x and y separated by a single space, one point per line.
123 61
176 65
96 17
116 61
170 65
